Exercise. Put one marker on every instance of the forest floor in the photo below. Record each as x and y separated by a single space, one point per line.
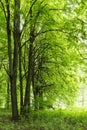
68 119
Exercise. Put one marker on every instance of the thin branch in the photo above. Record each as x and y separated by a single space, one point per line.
25 23
55 9
25 42
50 30
46 31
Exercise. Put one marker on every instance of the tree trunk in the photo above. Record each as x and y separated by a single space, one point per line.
29 75
9 48
35 89
36 98
14 99
28 82
16 35
20 78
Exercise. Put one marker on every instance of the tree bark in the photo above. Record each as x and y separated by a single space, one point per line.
20 78
16 36
28 82
29 75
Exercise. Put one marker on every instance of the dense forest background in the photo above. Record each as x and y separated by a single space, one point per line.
43 53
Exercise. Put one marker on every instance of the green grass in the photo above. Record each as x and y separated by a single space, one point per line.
68 119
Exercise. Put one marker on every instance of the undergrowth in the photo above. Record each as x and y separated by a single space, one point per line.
67 119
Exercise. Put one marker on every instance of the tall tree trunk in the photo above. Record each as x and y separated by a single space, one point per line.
28 82
16 35
20 78
29 75
36 98
34 87
37 90
9 48
35 94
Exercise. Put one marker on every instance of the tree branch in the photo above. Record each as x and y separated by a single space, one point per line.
50 30
25 23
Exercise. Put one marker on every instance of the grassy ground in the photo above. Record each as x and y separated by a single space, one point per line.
69 119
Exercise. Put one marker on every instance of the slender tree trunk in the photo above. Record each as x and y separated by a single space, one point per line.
34 87
20 78
37 90
33 80
36 98
9 49
28 82
35 94
29 75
